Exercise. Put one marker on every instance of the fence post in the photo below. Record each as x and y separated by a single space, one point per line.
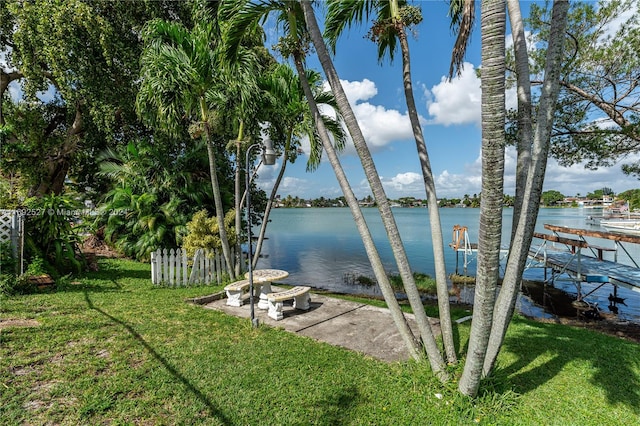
193 276
178 267
218 267
207 267
185 261
172 268
154 269
201 266
165 266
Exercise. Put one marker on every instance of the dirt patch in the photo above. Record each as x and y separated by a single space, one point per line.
12 322
625 330
95 245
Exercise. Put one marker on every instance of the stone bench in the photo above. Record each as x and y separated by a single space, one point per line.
299 295
235 291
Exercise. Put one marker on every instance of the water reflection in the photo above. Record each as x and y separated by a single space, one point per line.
322 248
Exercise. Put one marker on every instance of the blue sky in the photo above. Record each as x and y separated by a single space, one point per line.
451 123
450 112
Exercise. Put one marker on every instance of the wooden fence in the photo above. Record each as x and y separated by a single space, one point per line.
174 269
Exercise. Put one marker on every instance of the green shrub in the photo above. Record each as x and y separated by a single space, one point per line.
424 282
203 232
50 236
8 265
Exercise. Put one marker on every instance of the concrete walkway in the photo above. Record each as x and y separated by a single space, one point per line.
362 328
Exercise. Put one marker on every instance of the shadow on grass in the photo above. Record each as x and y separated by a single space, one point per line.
113 269
213 410
336 408
613 371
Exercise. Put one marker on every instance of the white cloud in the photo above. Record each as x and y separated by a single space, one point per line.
358 90
404 184
459 101
456 101
567 180
288 186
380 126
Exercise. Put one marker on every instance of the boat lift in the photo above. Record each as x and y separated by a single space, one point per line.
585 268
576 257
461 243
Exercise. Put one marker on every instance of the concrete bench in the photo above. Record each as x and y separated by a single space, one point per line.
235 291
299 295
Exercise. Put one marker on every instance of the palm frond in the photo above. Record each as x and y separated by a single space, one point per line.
341 14
244 18
462 14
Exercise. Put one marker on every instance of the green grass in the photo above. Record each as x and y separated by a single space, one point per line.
116 350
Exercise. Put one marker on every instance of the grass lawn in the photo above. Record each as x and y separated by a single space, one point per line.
112 349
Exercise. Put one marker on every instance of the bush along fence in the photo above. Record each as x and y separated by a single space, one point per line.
173 268
12 233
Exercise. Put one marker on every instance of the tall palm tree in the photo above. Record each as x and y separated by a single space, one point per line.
493 26
289 14
384 206
241 100
292 116
393 17
180 78
535 171
489 332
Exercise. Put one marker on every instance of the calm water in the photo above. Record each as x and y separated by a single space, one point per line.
321 247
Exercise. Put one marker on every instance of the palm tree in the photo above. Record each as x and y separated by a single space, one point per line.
393 17
292 116
490 324
179 78
241 99
289 14
384 206
493 22
539 143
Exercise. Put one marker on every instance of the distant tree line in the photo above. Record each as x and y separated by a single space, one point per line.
548 198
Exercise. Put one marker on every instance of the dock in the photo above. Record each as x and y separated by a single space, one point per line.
461 244
567 252
583 261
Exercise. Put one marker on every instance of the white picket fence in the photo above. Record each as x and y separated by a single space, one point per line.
12 232
174 269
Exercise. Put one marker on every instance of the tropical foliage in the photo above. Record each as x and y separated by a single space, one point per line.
203 232
172 94
181 85
50 235
76 63
156 191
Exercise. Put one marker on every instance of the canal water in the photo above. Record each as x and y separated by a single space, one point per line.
321 247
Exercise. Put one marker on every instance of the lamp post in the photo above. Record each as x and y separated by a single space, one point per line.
268 159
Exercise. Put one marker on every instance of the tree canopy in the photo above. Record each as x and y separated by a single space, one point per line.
597 121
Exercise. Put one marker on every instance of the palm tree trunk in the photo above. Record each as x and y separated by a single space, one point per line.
432 201
493 23
267 210
525 126
426 333
215 187
506 302
370 248
238 206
